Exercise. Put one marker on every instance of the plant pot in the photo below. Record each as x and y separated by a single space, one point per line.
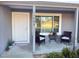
7 49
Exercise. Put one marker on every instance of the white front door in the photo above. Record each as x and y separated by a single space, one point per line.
20 27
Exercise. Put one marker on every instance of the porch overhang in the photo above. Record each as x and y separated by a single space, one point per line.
40 3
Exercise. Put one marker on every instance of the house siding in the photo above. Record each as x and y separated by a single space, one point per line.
68 23
78 29
5 27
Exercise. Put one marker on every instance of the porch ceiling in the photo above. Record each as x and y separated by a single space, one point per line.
41 5
43 8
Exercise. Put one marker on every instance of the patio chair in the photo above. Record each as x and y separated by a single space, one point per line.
39 38
66 36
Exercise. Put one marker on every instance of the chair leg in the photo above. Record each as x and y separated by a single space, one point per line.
43 41
49 41
60 41
39 44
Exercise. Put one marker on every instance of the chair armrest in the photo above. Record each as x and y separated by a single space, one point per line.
62 35
42 36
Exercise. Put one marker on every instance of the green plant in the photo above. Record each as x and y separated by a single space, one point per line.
54 55
9 43
66 52
77 52
73 54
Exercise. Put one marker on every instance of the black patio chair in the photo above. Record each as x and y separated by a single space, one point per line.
66 36
39 38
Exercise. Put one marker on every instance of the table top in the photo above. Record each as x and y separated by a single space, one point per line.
59 34
45 34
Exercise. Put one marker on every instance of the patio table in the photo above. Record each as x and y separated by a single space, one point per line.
58 38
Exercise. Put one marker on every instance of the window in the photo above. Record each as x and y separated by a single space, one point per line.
38 23
46 24
56 24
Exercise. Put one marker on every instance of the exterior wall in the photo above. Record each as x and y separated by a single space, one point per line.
31 40
31 37
5 27
68 23
78 28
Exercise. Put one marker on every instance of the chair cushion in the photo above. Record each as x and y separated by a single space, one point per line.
42 38
65 38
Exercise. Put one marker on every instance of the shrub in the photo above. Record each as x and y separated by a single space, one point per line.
73 54
66 52
54 55
77 52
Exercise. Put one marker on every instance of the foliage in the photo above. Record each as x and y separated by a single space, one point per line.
9 43
66 52
73 54
77 52
55 55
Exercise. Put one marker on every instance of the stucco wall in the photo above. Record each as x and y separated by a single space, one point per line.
5 27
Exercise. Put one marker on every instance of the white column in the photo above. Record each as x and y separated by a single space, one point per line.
33 26
76 29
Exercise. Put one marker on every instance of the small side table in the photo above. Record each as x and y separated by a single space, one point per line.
47 39
58 38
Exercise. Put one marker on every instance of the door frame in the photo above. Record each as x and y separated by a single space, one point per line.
28 28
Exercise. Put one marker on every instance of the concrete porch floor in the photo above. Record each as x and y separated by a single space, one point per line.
25 51
18 51
53 46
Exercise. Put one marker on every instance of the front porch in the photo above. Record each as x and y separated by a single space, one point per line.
66 20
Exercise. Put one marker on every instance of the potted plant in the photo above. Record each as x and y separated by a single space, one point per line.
9 43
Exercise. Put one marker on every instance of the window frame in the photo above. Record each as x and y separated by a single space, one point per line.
52 15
